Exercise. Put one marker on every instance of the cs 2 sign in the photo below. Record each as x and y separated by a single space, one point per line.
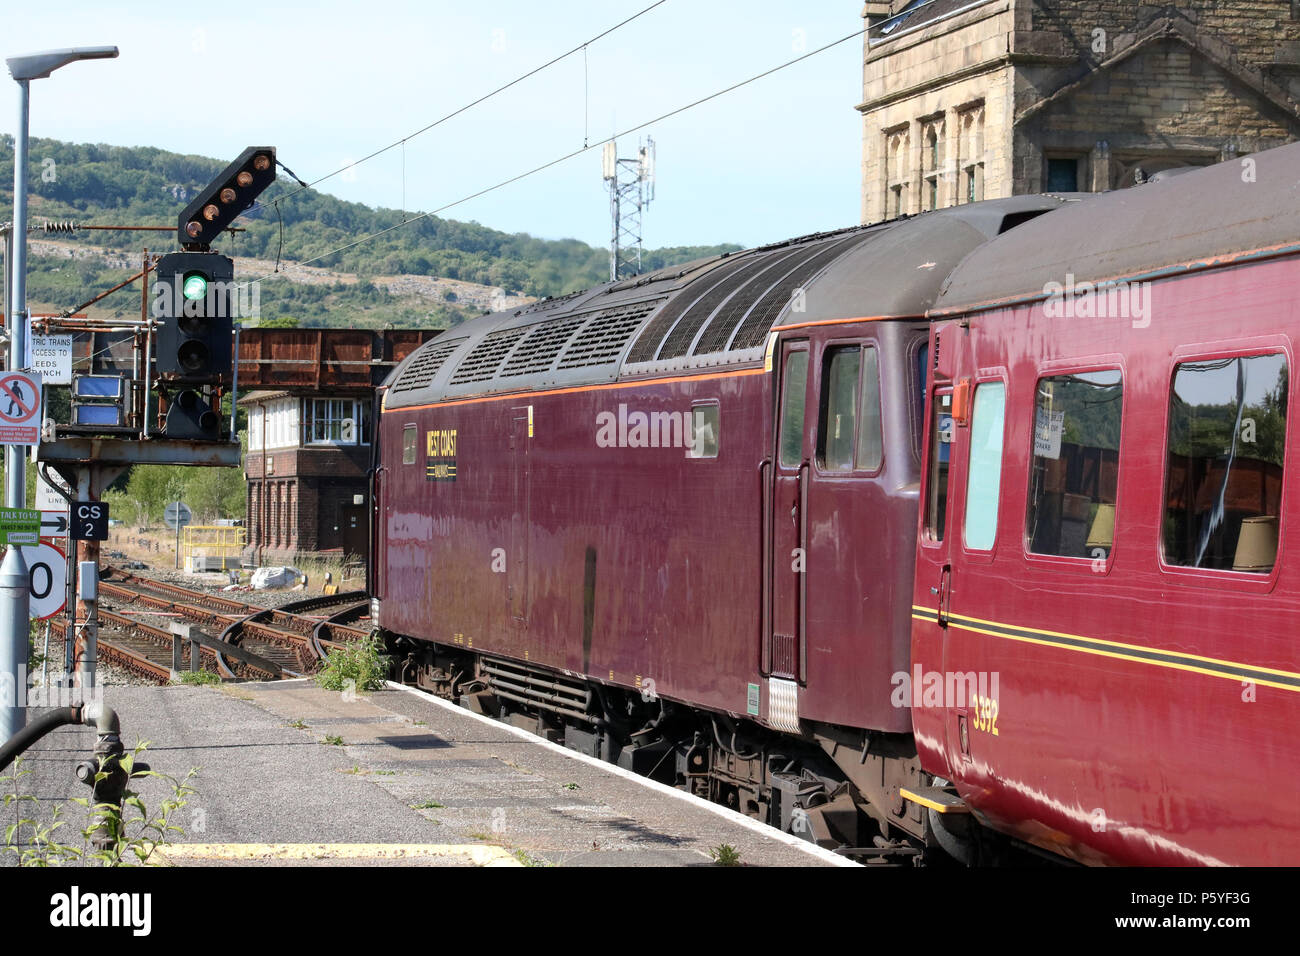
89 521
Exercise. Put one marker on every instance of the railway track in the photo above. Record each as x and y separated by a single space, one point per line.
240 641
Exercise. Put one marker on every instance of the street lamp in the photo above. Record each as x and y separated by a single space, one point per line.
13 571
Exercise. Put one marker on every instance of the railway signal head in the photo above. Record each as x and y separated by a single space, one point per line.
193 305
223 199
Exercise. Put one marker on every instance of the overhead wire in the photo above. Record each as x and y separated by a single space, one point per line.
578 152
580 48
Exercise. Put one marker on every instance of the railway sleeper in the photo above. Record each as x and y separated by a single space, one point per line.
833 786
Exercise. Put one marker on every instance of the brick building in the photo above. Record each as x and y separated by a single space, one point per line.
309 395
982 99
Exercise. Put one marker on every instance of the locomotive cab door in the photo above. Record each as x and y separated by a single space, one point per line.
787 533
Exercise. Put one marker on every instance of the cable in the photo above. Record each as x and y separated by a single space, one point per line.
577 152
487 96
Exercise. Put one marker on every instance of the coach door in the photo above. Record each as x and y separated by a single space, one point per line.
786 520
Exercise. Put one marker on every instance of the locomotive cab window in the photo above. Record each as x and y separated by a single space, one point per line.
410 443
848 435
1223 467
1075 467
794 385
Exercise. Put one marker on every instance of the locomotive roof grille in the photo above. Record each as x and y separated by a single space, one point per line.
735 297
425 366
753 330
481 364
603 338
537 352
679 340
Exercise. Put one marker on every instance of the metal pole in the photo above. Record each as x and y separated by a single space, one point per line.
178 534
15 595
15 460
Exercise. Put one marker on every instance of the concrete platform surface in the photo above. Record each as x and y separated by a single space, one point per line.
290 774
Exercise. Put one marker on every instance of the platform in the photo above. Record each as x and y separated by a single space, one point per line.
291 774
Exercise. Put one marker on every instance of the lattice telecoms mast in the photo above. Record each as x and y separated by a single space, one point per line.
631 188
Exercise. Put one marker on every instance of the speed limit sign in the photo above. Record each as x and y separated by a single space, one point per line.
47 574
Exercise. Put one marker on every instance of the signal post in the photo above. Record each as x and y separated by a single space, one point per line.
168 411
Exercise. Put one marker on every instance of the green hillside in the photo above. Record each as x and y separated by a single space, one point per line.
145 186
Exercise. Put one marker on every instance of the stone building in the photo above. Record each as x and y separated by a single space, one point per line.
981 99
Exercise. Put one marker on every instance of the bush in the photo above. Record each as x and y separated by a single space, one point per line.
357 666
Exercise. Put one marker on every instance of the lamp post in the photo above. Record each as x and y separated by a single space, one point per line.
14 611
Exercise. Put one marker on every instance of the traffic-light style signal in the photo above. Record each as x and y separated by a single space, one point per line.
217 205
194 296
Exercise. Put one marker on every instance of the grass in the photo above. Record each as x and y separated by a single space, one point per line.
724 854
334 740
199 678
298 724
572 786
427 805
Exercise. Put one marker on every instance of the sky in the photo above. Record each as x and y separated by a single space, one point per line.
329 82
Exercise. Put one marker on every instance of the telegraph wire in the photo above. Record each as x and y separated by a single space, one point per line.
578 152
580 48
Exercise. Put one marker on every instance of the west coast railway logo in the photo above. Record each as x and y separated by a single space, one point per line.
440 451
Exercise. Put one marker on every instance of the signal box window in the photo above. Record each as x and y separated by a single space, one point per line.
1075 470
984 483
793 399
1223 471
410 442
704 432
941 436
849 436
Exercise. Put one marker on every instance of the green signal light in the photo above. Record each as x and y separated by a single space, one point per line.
195 287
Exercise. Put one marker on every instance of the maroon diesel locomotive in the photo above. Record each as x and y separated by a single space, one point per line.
796 528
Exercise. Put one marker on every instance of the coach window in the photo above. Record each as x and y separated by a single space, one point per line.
1075 470
1223 468
871 446
793 399
410 442
984 483
941 435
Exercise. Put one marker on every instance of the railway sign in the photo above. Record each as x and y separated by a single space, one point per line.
19 526
54 524
177 515
51 357
48 497
89 521
47 577
20 408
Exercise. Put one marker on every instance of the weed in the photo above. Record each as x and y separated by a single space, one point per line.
427 805
334 740
572 786
131 833
199 678
298 724
357 667
724 854
527 859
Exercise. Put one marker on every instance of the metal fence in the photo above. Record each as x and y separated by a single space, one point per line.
212 547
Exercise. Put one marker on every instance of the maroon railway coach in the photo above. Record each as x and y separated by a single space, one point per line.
1109 524
594 516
